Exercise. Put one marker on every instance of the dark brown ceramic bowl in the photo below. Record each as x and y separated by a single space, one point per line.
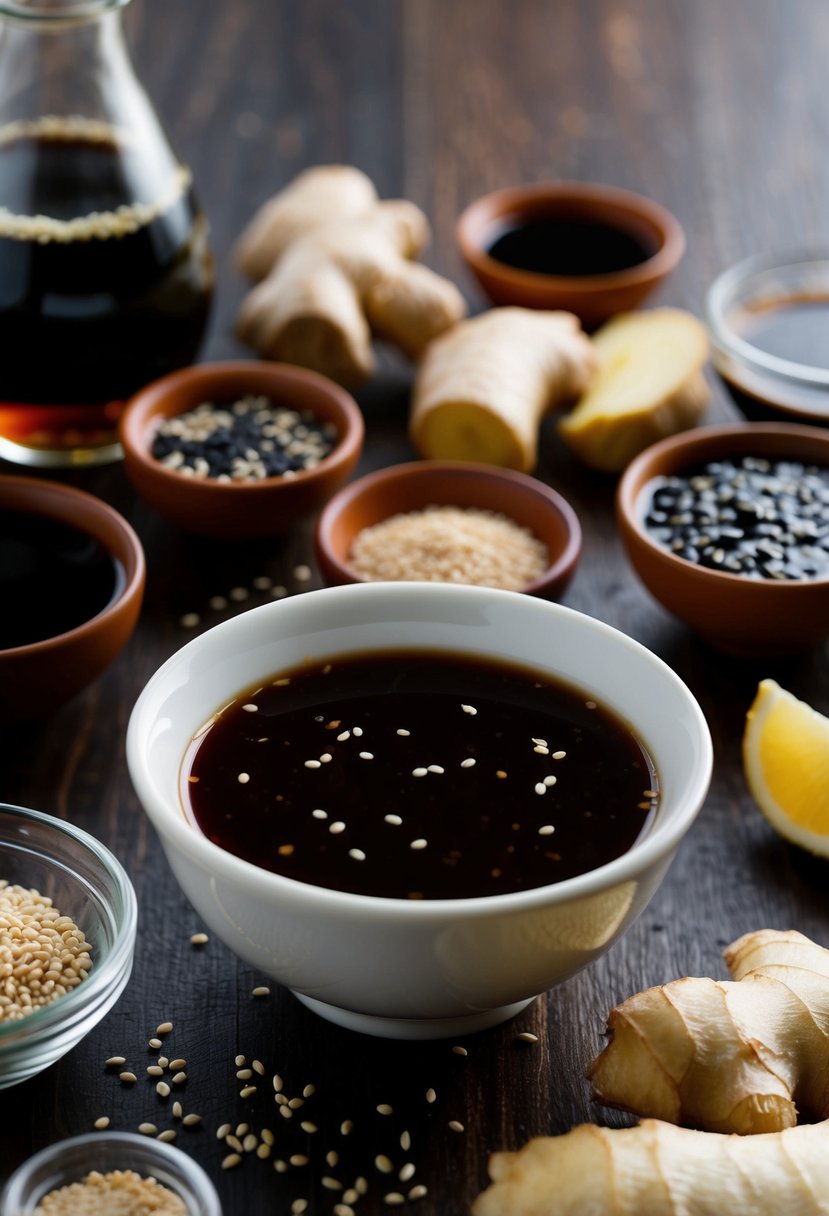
238 509
593 298
742 616
411 487
36 678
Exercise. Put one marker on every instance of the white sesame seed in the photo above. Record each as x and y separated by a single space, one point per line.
343 736
431 1096
460 1051
167 1136
318 814
175 1065
326 758
343 1209
420 843
309 1091
154 1043
405 733
163 1061
419 772
590 704
199 939
559 755
384 1109
435 768
115 1061
238 594
366 755
527 1037
262 582
155 1070
147 1129
231 1160
191 1120
250 708
308 1127
351 1195
361 1185
331 1158
247 1092
357 854
455 1126
337 827
298 1160
406 1172
394 1199
418 1192
234 1142
259 1067
217 602
244 1074
546 830
240 1061
280 1166
277 1082
261 991
394 820
286 1112
295 1103
540 787
102 1123
346 1127
550 780
469 762
383 1164
263 1152
405 1141
278 591
222 1131
243 778
299 1206
267 1135
179 1078
250 1142
542 751
190 620
357 732
331 1184
302 574
469 709
242 1129
313 764
129 1078
162 1089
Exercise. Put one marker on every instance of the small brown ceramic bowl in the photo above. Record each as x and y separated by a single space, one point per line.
742 616
444 483
36 678
592 297
246 508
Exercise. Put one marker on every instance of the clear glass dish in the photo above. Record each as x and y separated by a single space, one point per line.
87 883
71 1160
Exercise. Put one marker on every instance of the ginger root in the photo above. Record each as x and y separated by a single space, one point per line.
740 1056
656 1169
483 387
335 267
649 385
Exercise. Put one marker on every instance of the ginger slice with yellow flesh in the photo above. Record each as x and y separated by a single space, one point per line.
334 275
733 1056
657 1169
649 385
484 386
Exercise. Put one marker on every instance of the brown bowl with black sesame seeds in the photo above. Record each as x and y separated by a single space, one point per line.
728 527
240 449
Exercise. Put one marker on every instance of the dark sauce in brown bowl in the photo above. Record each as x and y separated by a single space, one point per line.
568 247
419 775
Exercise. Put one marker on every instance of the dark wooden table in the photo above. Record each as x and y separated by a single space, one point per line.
719 111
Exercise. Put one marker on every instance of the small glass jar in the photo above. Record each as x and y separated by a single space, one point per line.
70 1161
105 274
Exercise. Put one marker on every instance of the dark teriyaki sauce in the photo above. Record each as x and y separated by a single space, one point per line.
53 578
568 247
419 775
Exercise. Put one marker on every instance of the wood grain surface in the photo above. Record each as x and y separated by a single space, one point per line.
719 111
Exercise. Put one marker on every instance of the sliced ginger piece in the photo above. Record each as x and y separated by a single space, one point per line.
649 385
483 387
786 763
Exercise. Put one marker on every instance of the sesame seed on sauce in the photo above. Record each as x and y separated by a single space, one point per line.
462 839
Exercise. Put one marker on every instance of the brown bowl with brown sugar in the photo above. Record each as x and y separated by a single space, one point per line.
587 248
751 616
73 580
236 509
406 490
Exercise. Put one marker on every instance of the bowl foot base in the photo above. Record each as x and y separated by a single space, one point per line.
413 1028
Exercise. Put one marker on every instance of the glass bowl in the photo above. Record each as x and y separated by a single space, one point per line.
87 883
762 383
71 1160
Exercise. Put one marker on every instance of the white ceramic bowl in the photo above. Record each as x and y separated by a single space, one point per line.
429 968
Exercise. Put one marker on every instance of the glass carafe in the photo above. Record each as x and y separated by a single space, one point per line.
105 272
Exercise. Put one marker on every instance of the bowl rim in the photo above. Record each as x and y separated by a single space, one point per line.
135 425
133 582
414 470
177 1161
720 298
483 214
14 1035
640 472
655 846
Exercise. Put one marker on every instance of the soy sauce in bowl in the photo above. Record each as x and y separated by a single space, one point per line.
569 246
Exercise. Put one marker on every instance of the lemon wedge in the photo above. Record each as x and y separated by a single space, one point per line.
786 764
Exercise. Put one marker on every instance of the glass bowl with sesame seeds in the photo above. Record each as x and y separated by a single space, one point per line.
240 449
67 936
728 527
109 1171
412 965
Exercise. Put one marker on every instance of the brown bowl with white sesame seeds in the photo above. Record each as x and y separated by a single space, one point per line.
450 521
240 449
